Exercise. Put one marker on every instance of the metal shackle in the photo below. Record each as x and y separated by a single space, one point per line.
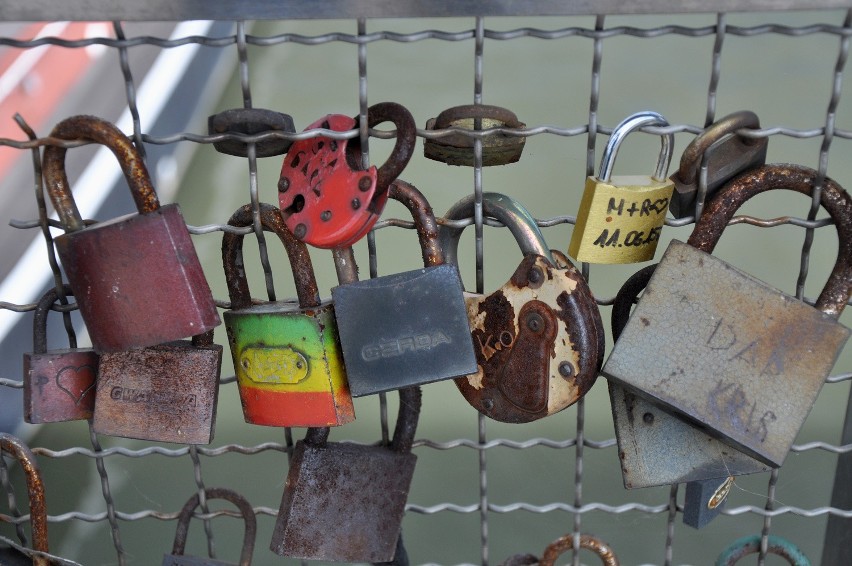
300 259
424 220
500 207
589 542
40 319
626 297
690 160
833 198
35 488
239 501
91 128
751 545
633 122
406 138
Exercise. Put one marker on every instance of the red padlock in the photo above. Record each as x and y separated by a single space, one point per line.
328 200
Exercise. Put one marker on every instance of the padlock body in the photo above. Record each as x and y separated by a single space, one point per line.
523 333
172 560
59 385
138 281
620 221
343 502
328 202
704 501
289 366
658 448
165 393
725 351
404 329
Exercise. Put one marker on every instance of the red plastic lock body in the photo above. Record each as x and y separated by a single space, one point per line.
328 202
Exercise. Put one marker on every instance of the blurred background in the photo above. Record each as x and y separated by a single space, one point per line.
787 67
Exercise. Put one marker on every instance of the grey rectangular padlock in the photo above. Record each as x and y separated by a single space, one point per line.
704 500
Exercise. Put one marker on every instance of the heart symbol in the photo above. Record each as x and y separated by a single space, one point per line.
660 205
76 381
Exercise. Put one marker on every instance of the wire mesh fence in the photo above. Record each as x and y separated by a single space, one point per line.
483 490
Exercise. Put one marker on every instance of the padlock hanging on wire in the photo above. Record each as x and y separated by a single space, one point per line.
620 218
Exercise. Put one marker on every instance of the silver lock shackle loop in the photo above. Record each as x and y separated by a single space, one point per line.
633 122
499 207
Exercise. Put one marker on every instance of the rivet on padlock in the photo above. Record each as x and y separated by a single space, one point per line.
724 152
287 356
408 328
751 545
177 558
38 510
165 393
539 339
359 491
251 122
726 351
327 199
655 447
704 500
620 218
457 148
590 542
59 385
137 278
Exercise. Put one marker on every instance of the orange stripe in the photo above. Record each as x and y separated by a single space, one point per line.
272 408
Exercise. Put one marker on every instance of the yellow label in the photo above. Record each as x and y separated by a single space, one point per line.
620 221
274 365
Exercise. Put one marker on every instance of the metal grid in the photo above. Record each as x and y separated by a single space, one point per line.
574 504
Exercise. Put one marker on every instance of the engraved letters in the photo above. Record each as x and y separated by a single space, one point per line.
399 346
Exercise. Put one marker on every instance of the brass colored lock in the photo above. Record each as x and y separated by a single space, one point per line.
457 149
539 339
620 218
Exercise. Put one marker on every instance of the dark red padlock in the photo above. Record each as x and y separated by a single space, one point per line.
59 385
328 200
136 278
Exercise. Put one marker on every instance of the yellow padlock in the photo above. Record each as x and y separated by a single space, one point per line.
620 218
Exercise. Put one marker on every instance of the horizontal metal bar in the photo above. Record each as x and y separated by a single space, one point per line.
174 10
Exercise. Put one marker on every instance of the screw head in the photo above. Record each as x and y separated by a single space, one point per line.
535 322
535 275
300 231
325 216
566 369
488 404
365 183
648 418
283 184
356 204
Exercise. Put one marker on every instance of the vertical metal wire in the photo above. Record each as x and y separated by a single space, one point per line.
129 88
670 524
112 518
202 499
363 104
767 519
715 68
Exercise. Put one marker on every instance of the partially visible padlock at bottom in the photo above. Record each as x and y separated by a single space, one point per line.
751 545
165 393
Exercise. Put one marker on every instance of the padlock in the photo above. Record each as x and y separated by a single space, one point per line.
725 153
11 556
590 542
357 491
539 339
251 122
177 558
137 278
723 350
620 218
287 356
704 500
751 545
655 447
409 328
328 200
58 384
457 148
165 393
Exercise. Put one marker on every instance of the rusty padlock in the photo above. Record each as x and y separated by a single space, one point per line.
59 385
539 339
177 558
655 447
119 269
620 218
251 122
408 328
357 491
286 355
590 542
327 199
457 148
725 153
726 351
11 556
751 545
165 393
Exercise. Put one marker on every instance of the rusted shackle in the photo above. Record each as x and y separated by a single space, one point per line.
589 542
35 490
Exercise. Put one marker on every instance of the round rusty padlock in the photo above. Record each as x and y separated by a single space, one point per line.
751 545
327 199
539 339
589 542
38 511
251 122
457 148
